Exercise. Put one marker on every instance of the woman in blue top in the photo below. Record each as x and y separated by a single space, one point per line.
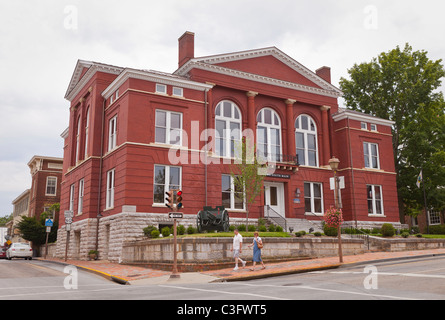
256 251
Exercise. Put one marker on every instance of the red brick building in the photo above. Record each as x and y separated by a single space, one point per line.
133 134
46 173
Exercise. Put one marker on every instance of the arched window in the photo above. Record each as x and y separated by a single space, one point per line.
306 141
78 140
87 124
228 128
269 135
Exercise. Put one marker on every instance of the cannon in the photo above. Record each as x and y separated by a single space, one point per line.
211 219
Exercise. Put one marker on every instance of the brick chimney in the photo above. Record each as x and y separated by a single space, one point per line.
186 48
324 73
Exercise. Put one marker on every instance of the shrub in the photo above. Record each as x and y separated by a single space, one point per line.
302 232
232 228
279 229
376 230
317 234
298 234
191 230
419 235
272 228
405 234
437 229
261 222
262 228
241 227
330 231
155 233
148 230
251 228
180 229
166 231
388 230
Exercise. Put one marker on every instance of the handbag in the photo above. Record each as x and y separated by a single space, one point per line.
259 244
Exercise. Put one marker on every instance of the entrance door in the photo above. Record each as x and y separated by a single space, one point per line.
274 196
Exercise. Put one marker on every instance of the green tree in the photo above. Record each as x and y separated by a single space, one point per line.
34 230
401 85
4 220
248 173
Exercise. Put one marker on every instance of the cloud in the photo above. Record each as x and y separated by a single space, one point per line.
39 50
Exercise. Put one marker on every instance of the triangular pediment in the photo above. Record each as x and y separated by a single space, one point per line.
83 72
267 65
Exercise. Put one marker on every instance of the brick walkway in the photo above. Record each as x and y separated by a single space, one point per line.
124 273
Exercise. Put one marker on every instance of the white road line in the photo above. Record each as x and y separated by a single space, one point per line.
416 275
331 290
225 292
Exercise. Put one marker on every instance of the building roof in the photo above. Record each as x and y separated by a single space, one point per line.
210 63
359 116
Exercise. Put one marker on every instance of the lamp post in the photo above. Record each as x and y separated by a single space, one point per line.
333 163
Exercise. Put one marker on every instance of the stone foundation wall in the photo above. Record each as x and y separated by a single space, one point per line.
200 250
113 231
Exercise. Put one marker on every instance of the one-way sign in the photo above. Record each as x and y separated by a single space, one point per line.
175 215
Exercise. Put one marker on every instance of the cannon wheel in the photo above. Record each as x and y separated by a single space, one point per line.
225 221
199 222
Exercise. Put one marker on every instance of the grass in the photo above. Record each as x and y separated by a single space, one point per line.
433 236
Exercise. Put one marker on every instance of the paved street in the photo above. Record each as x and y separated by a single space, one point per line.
30 280
417 278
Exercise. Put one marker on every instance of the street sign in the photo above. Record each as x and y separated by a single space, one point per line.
175 215
341 183
48 229
68 220
48 223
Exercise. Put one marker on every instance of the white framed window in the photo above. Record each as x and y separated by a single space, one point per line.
81 192
87 124
229 192
373 127
112 133
313 198
51 186
371 153
227 128
375 199
306 141
178 92
269 135
364 125
109 201
161 88
168 127
165 178
78 140
434 217
72 189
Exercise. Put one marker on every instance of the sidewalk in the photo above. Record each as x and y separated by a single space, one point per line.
133 275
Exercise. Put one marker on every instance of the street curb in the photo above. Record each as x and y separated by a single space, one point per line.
105 275
276 273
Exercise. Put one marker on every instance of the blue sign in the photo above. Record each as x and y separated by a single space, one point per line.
48 223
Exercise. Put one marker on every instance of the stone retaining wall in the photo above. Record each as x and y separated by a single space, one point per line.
211 250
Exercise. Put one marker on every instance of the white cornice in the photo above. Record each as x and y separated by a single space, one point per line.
262 79
355 115
77 83
209 64
153 76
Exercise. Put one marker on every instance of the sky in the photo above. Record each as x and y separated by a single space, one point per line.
41 41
